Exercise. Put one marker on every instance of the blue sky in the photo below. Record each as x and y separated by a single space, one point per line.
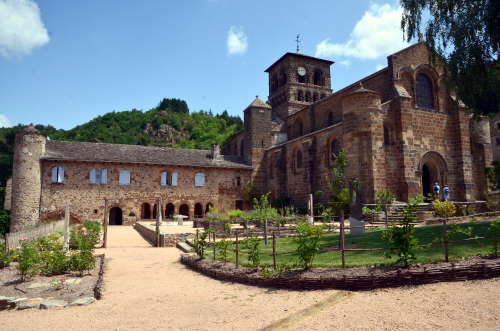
65 62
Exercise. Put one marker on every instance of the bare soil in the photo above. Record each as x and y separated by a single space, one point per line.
72 285
146 288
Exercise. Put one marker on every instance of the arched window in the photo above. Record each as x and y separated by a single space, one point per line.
318 78
298 159
301 79
300 96
184 210
387 136
308 96
208 207
282 79
330 118
424 91
334 149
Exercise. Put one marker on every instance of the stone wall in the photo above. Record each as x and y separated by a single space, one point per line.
148 232
87 200
8 195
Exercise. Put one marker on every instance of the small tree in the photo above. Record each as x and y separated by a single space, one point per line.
339 185
308 243
252 245
201 243
444 208
399 236
222 247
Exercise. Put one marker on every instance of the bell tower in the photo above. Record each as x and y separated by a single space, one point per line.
295 81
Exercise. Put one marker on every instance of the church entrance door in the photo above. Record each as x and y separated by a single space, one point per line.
433 170
115 216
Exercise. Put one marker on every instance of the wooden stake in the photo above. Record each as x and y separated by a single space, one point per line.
274 251
66 228
106 221
265 232
342 242
214 246
237 252
157 223
445 239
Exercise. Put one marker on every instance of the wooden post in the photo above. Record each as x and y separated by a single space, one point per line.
342 242
105 226
237 251
214 245
274 251
157 223
445 239
265 232
66 228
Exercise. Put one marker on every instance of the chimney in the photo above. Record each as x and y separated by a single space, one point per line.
216 152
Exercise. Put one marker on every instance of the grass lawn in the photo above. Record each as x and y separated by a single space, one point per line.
372 239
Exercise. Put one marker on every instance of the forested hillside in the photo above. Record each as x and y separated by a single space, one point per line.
170 124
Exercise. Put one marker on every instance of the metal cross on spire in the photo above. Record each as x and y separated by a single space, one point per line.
298 42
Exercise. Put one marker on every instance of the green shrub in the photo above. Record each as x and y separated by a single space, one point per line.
494 232
308 243
201 244
252 245
81 261
400 235
234 214
444 208
6 257
222 248
28 260
53 259
4 221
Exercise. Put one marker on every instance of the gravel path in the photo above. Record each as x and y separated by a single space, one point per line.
148 289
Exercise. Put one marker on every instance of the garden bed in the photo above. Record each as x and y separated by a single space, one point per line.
66 288
358 278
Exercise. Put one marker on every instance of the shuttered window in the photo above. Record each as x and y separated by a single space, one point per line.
175 177
168 179
57 175
199 179
98 176
124 178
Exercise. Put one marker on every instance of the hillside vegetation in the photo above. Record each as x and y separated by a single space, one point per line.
170 124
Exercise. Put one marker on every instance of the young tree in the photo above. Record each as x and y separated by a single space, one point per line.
466 35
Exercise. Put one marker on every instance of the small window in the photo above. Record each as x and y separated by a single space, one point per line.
238 181
124 178
299 159
318 78
98 176
425 93
330 118
168 179
199 179
57 175
334 149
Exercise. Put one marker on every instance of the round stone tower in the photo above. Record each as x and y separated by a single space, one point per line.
26 178
362 140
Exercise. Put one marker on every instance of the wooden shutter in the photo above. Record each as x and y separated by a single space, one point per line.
54 175
60 175
174 179
163 179
104 176
92 176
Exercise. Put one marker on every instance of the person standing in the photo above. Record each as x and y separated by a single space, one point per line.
436 189
446 193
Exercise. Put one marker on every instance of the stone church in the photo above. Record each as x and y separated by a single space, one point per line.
400 128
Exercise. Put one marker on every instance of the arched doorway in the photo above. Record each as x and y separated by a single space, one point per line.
207 209
170 210
115 216
433 169
145 211
184 210
198 210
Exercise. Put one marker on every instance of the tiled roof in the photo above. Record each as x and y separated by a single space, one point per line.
98 152
259 104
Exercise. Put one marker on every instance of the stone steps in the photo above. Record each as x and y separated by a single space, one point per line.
184 246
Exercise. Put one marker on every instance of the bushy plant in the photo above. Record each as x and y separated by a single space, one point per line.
222 249
234 214
201 244
6 257
494 232
81 261
53 260
444 208
28 259
308 243
252 245
399 236
4 221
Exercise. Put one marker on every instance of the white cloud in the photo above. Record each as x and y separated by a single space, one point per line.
379 67
378 33
346 63
21 27
237 41
4 121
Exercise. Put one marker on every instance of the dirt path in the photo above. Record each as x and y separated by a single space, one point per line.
148 289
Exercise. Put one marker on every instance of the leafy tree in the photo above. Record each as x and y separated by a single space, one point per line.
466 35
308 243
339 184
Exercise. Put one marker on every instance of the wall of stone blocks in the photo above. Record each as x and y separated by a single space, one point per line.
87 200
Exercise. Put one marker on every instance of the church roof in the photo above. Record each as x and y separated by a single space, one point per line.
259 103
99 152
300 56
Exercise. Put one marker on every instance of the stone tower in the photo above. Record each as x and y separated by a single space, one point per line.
295 81
363 140
257 118
26 178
